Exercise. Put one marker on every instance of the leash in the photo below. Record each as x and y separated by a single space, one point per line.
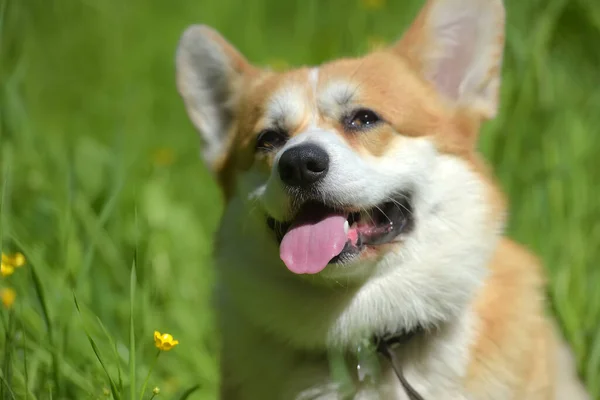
384 348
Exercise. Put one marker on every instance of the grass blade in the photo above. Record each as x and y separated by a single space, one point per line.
113 387
132 386
39 291
99 224
115 353
5 384
6 368
25 369
189 392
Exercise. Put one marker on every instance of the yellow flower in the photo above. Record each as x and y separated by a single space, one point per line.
164 341
19 260
8 297
156 390
16 260
373 4
9 263
6 269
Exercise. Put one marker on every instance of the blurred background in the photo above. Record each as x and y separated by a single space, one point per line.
100 172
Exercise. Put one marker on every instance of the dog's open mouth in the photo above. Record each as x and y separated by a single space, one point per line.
320 235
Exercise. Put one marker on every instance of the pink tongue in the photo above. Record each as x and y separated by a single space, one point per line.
308 247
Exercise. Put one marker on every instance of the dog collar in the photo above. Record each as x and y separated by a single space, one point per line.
385 346
364 363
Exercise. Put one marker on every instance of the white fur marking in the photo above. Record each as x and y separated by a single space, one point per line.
287 106
335 97
313 80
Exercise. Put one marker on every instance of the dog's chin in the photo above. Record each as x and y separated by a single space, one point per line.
370 232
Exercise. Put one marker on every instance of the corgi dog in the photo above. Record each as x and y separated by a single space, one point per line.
357 208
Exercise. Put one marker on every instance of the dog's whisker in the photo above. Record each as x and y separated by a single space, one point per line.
403 206
384 214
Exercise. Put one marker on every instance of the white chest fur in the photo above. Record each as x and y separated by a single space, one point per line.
434 364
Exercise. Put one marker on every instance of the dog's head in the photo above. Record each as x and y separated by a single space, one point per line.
361 165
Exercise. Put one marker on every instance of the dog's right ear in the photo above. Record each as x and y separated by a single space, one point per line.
210 76
457 45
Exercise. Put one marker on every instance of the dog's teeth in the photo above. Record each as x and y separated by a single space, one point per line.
346 227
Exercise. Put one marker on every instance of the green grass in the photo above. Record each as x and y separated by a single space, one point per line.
100 171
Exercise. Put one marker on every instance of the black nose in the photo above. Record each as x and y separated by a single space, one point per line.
303 165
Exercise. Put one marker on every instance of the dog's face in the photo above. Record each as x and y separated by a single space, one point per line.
364 165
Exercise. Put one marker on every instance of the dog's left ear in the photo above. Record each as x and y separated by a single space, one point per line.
211 75
457 45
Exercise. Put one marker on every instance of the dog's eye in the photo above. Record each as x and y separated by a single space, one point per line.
270 139
361 119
